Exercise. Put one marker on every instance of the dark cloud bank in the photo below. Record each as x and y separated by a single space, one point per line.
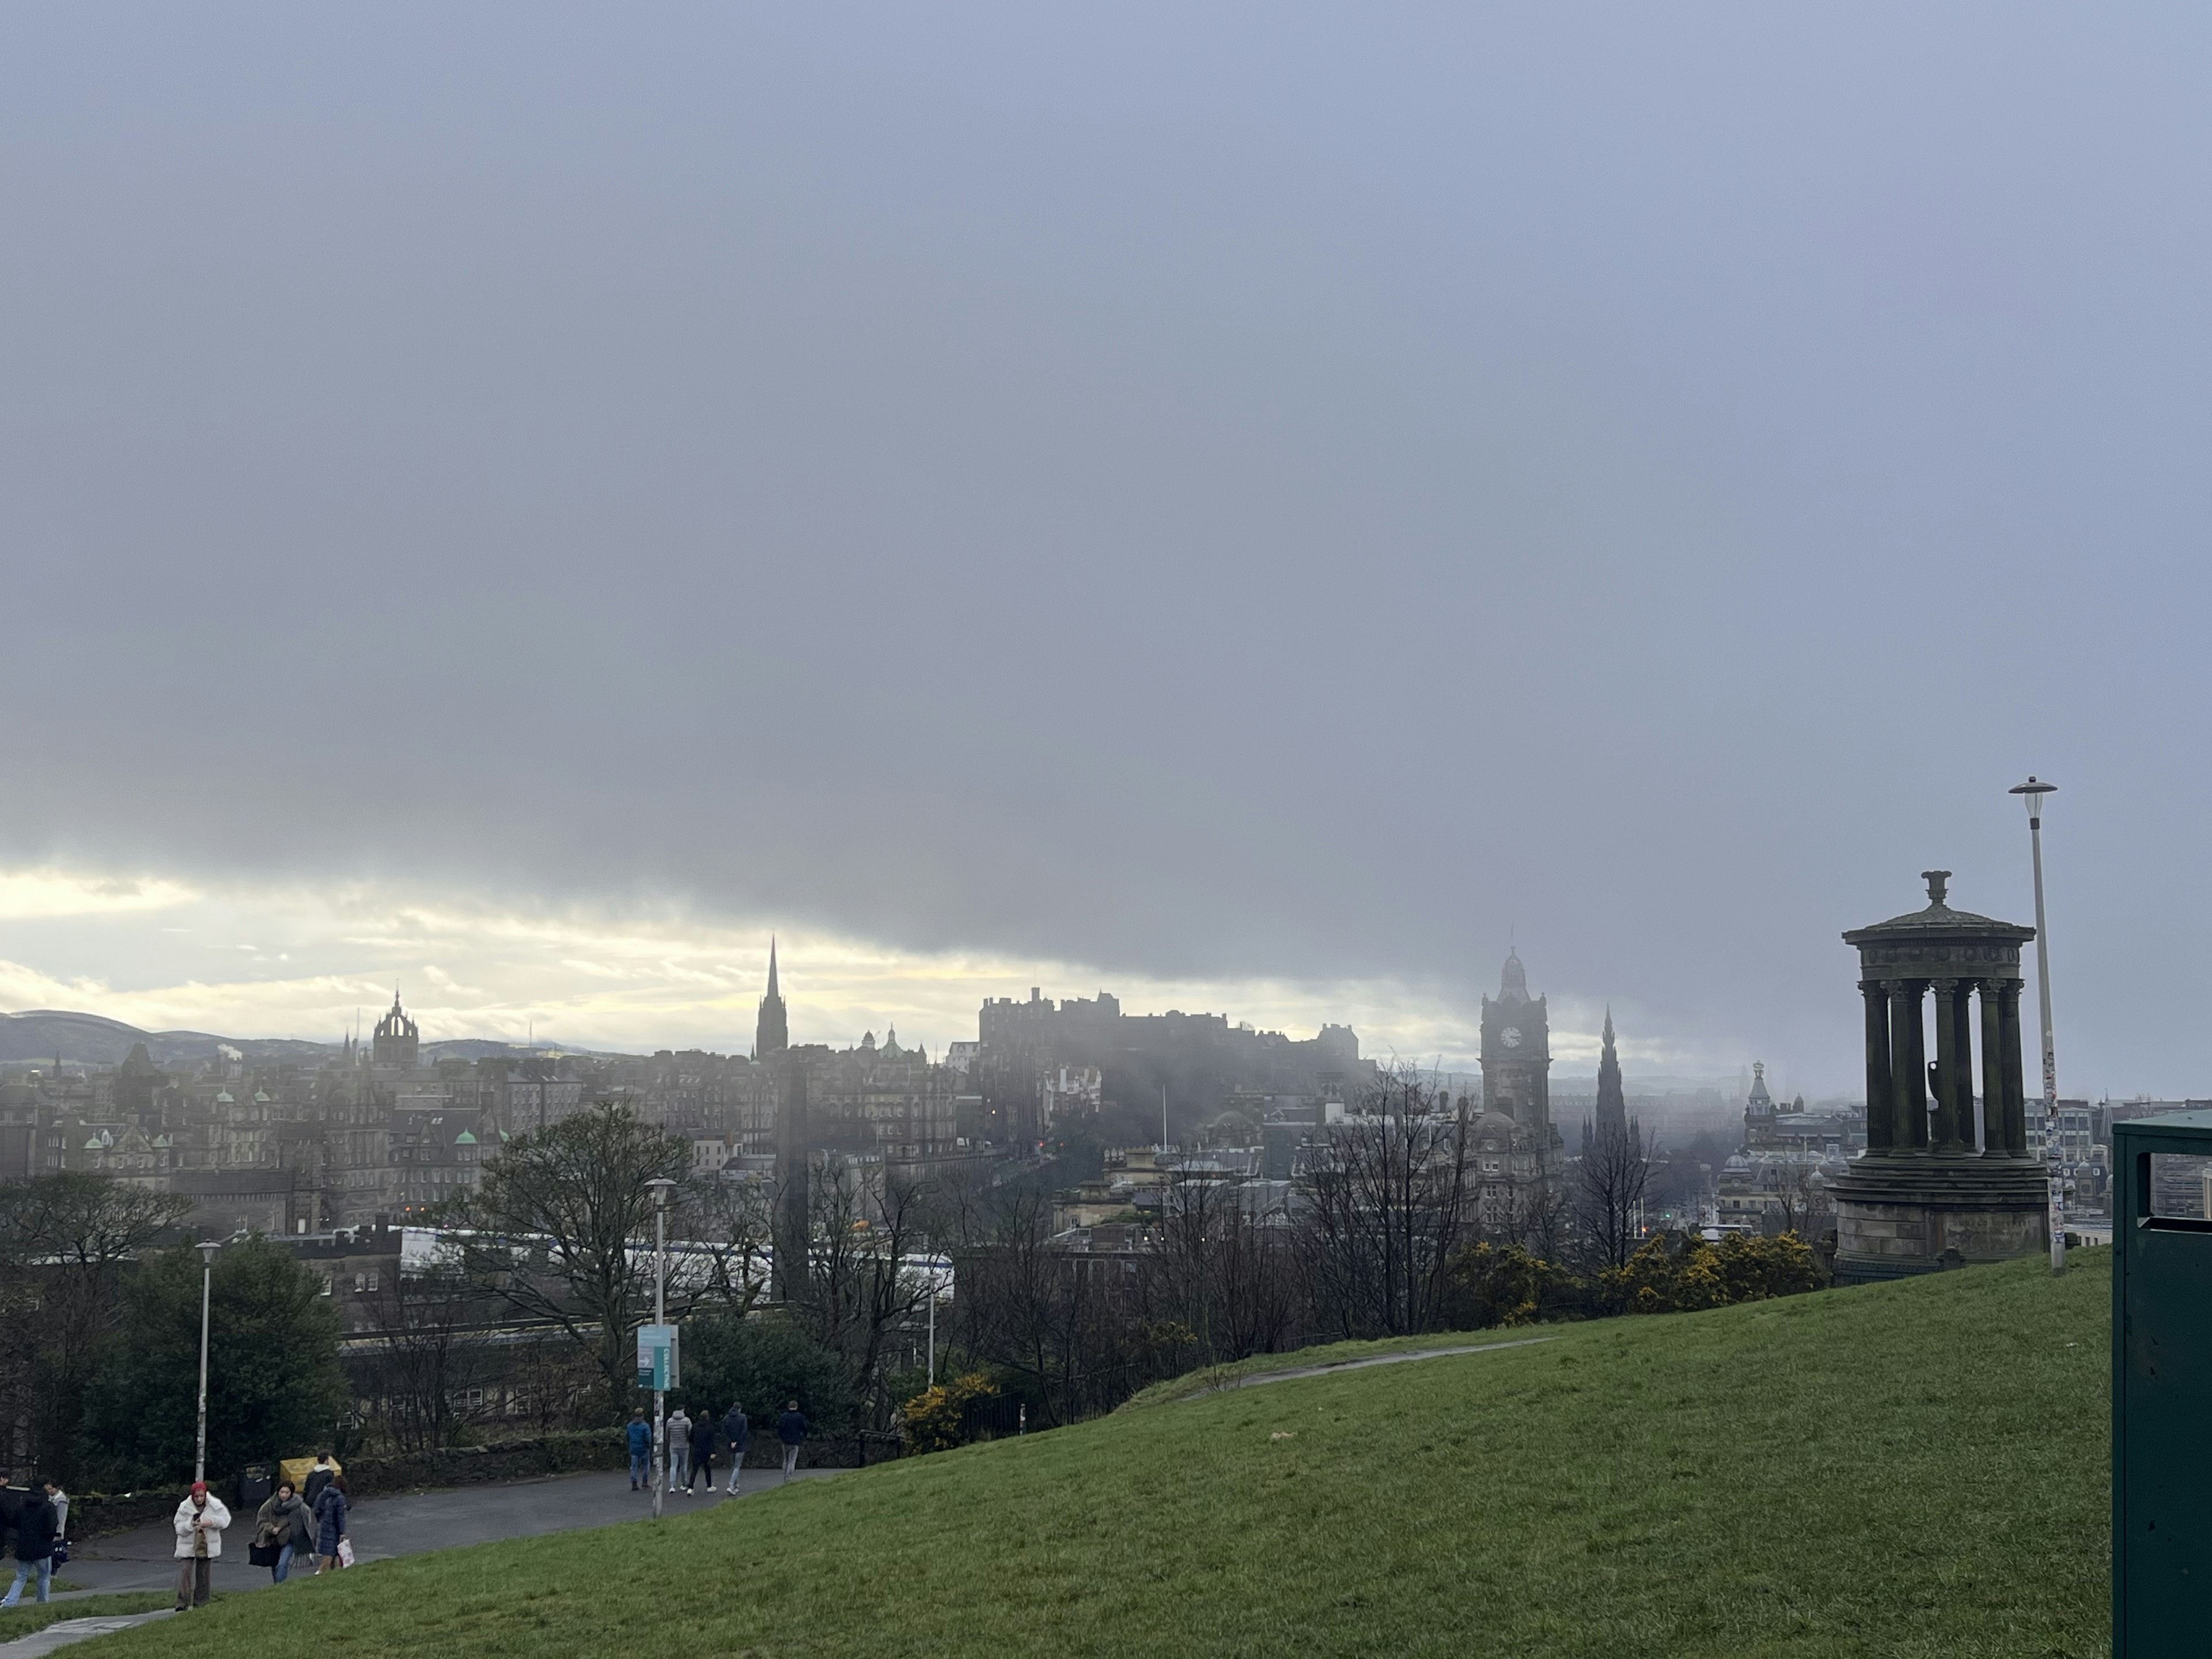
1230 495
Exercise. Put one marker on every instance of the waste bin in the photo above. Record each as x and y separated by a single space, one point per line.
254 1485
2161 1386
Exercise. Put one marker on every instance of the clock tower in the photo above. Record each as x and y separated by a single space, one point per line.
1516 1055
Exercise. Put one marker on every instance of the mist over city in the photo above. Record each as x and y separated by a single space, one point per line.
1003 632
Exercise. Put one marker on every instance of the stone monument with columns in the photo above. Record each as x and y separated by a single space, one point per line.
1939 1184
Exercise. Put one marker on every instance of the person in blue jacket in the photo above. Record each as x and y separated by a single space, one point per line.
640 1451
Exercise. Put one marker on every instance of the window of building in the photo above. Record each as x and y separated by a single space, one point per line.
360 1283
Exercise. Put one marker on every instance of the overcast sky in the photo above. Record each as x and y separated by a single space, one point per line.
1251 504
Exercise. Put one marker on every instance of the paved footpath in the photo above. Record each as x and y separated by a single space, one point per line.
380 1527
1252 1382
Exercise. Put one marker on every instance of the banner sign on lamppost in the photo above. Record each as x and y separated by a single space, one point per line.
657 1361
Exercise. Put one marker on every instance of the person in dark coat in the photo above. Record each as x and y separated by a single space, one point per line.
10 1501
703 1432
737 1435
331 1506
285 1522
34 1547
640 1451
318 1477
791 1429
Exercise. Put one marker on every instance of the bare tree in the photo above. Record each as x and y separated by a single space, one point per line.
427 1357
865 1224
1801 1200
1608 1182
1389 1200
1225 1273
561 1230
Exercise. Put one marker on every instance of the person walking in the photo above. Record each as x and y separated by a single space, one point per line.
640 1451
326 1470
737 1435
331 1506
791 1429
34 1547
283 1523
703 1431
59 1499
199 1523
679 1450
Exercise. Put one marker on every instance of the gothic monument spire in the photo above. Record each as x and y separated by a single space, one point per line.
1612 1104
772 1033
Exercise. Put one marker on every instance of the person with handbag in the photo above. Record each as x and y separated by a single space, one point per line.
34 1547
59 1499
333 1547
282 1533
199 1523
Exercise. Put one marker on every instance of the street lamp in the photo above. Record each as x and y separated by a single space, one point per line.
2032 793
662 1186
208 1248
931 1251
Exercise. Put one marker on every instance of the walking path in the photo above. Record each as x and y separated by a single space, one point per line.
1362 1364
381 1528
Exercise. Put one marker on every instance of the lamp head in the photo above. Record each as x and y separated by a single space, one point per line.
661 1186
2032 793
207 1247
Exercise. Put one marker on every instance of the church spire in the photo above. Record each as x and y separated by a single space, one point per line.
772 1031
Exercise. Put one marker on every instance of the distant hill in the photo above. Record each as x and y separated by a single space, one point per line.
40 1034
89 1039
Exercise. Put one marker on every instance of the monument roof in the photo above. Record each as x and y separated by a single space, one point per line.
1938 920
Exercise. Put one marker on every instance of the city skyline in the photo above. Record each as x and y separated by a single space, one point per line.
642 983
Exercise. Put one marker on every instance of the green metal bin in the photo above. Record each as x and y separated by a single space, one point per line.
2161 1397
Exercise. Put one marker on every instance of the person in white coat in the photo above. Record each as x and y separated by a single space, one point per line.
200 1521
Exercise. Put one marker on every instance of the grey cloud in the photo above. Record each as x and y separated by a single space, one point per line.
1201 495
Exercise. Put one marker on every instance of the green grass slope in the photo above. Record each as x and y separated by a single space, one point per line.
1916 1468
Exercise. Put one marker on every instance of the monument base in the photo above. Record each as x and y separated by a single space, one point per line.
1918 1212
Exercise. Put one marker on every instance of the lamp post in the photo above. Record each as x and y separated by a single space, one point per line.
928 1246
661 1186
2032 793
207 1288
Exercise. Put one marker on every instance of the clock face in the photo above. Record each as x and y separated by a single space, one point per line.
1511 1037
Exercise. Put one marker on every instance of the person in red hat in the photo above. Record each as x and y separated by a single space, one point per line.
200 1521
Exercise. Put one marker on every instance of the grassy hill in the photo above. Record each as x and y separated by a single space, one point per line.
1916 1468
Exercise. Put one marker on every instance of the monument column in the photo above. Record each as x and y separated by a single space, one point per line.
2015 1082
1962 1037
1993 1144
1880 1094
1908 1065
1947 1064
